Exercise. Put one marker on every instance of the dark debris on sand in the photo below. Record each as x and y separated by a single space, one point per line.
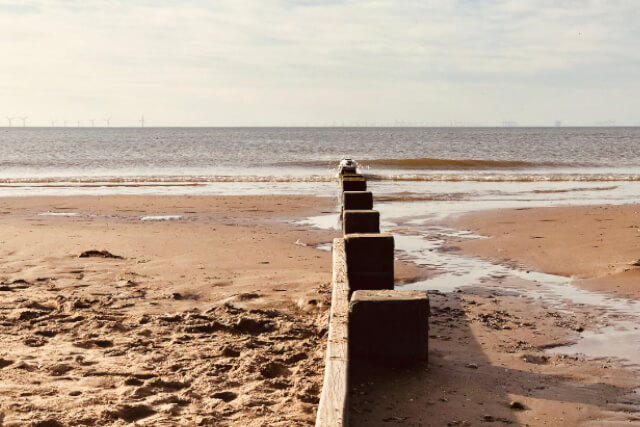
98 254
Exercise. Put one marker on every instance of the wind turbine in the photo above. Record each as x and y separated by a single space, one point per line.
108 121
93 122
24 120
78 123
53 123
141 121
64 123
10 120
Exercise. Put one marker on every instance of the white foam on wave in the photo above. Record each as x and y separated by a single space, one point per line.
426 176
160 217
58 214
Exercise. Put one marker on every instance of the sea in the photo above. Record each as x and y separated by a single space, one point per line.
419 176
473 167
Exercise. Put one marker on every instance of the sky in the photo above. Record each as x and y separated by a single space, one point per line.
320 63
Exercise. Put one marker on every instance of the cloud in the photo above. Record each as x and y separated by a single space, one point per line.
17 9
300 61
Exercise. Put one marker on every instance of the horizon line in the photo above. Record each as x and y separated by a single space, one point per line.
322 126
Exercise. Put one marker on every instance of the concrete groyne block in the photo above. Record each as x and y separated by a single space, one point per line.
353 182
389 326
369 261
357 200
360 221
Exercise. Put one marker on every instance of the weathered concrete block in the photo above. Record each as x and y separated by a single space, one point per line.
389 326
369 261
353 182
357 200
360 221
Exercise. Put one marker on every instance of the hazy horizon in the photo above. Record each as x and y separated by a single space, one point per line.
317 126
298 63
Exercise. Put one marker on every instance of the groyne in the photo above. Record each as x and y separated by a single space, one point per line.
369 320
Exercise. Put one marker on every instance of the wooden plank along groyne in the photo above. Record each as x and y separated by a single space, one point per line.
332 409
368 318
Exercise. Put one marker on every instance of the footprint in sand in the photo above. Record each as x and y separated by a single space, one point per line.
25 366
48 423
59 369
152 387
253 326
295 358
274 369
133 382
205 327
35 341
49 333
94 343
26 314
132 413
229 352
168 385
226 396
83 303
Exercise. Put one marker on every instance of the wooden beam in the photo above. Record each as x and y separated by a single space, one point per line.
333 409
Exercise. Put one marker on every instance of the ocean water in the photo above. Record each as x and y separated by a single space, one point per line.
444 165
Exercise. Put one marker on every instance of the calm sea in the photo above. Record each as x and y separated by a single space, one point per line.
443 164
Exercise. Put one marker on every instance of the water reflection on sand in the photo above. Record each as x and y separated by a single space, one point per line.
415 221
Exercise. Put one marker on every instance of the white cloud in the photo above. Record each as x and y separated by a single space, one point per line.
303 61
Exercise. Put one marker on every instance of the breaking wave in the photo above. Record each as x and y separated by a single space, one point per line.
508 178
190 181
569 190
432 163
155 181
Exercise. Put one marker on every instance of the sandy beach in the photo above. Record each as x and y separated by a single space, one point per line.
213 311
213 318
502 353
202 310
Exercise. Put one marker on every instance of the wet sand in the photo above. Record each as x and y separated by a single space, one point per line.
597 245
519 347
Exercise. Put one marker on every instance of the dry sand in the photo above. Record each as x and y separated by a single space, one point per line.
491 351
215 318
